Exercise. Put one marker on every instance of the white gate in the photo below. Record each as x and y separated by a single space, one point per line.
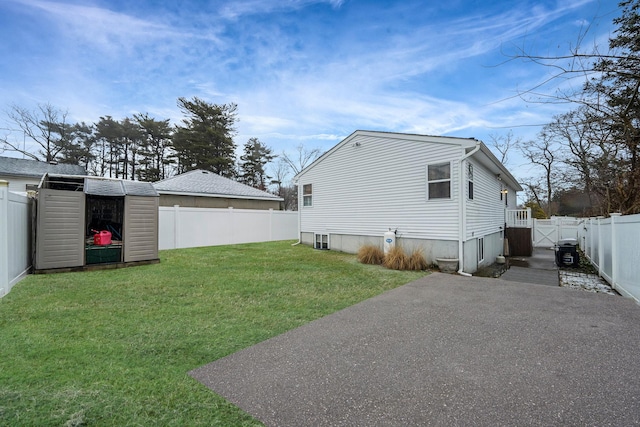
546 232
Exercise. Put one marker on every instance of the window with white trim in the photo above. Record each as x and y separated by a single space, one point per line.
321 241
307 195
480 249
439 181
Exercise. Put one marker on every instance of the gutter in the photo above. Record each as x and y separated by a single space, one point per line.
463 211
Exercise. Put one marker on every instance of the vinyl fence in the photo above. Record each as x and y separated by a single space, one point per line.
547 232
613 247
182 227
15 248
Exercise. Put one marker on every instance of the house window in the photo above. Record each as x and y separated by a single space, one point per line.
307 197
470 180
321 241
480 249
439 181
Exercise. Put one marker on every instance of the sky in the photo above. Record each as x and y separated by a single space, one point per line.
306 72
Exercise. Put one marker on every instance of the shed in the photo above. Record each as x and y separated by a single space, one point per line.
71 209
205 189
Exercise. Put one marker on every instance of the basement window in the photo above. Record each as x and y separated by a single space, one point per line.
439 181
480 249
321 241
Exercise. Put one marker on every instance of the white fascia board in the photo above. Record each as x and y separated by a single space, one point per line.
492 162
226 196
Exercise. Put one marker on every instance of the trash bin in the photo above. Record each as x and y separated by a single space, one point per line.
567 253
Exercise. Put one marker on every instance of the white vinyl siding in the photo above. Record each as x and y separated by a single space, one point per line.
485 213
372 183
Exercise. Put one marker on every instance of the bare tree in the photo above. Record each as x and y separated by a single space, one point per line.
543 153
503 144
301 158
46 126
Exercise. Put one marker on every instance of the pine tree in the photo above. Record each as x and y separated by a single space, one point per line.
255 157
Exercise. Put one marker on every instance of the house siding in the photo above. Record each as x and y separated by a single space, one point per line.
357 192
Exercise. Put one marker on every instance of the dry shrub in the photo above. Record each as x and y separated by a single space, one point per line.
396 259
417 260
370 254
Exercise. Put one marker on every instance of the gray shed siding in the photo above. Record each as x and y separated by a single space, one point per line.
60 232
140 228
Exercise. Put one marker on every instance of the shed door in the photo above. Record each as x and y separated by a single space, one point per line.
60 229
140 235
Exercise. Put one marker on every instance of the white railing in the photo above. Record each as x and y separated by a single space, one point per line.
518 218
15 248
182 227
613 247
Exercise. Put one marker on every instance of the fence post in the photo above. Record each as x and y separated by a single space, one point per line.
614 251
4 237
600 251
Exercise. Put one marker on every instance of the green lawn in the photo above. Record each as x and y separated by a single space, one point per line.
114 347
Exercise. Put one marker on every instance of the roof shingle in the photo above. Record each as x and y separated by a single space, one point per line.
209 184
34 168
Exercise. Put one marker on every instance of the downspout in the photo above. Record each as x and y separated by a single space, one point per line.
299 220
463 211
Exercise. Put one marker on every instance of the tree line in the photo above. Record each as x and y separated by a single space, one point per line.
588 159
145 148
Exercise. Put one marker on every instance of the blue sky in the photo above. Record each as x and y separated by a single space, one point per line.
301 71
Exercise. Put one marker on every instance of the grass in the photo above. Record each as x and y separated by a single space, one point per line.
114 347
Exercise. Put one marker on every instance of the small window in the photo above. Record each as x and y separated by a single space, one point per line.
439 181
307 196
480 249
470 180
321 241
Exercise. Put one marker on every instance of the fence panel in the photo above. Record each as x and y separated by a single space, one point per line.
611 245
15 238
546 232
182 227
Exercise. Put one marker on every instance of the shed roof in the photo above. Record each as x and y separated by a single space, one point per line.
98 186
209 184
35 169
116 187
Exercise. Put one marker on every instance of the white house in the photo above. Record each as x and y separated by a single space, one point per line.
446 195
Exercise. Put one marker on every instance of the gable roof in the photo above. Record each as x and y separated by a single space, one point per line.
209 184
484 154
36 169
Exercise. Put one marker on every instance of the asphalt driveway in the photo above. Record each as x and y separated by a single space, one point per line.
447 350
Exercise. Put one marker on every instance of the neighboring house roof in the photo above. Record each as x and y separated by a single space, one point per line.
35 169
483 155
209 184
